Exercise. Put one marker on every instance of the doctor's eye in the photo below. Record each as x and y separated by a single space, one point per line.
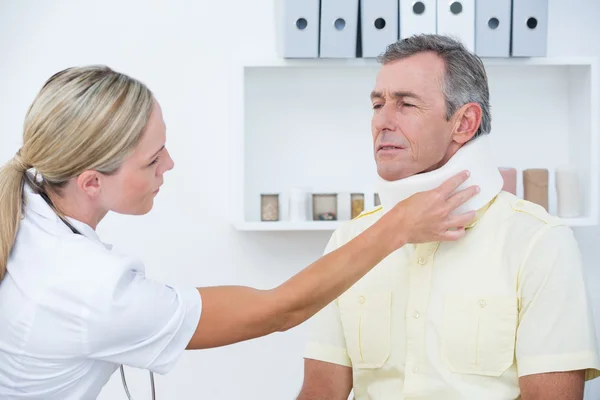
153 162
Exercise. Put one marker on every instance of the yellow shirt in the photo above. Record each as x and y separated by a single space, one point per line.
463 320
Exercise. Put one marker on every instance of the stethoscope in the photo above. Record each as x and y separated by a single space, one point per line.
75 231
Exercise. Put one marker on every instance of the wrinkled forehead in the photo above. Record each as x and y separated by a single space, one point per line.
421 73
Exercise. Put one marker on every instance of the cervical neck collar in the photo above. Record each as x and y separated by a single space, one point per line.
475 156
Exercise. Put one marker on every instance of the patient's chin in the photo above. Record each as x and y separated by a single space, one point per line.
392 174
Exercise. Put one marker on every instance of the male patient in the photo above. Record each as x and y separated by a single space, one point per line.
498 314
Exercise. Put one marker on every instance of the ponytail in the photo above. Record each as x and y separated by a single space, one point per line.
12 178
83 118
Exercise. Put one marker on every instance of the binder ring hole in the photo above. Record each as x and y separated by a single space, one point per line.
301 24
380 23
456 8
532 23
419 7
339 24
493 23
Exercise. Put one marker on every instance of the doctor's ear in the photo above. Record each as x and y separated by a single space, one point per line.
467 122
90 183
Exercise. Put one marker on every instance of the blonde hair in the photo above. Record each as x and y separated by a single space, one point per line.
85 118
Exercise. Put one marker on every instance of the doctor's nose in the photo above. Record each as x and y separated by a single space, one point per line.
169 163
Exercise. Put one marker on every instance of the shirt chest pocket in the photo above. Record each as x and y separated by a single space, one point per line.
478 334
366 320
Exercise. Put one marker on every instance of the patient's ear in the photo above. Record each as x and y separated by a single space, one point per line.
467 122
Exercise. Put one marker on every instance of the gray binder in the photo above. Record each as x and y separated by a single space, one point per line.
379 24
300 28
417 17
492 28
339 28
529 28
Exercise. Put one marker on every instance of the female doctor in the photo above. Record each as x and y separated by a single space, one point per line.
72 310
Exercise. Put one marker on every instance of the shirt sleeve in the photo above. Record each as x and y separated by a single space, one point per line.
326 341
139 322
556 329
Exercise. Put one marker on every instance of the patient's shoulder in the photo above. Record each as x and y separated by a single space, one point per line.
350 229
523 213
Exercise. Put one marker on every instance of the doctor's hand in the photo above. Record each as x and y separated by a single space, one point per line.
427 216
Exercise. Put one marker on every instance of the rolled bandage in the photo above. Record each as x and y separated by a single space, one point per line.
567 192
509 175
535 186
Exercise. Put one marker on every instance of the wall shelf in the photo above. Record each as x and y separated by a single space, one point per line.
306 123
282 226
289 226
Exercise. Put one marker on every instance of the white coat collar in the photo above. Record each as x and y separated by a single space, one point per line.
88 232
475 156
35 203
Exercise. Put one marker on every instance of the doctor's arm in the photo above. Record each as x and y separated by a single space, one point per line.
231 314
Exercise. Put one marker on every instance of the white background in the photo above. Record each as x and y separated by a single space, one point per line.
181 49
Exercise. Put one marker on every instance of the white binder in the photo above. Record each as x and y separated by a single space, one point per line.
417 17
456 18
379 23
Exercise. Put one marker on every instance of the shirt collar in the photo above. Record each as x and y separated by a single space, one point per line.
480 212
478 215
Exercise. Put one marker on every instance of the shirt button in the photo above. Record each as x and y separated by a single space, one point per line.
416 315
416 369
361 299
482 303
421 261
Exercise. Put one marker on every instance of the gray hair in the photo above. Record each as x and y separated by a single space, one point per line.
465 80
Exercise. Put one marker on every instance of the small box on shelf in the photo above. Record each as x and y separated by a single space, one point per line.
358 204
325 207
535 186
299 207
376 200
509 176
269 207
568 198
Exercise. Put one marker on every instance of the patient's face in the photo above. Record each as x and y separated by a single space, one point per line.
410 131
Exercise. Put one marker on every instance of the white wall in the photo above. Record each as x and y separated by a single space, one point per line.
181 49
